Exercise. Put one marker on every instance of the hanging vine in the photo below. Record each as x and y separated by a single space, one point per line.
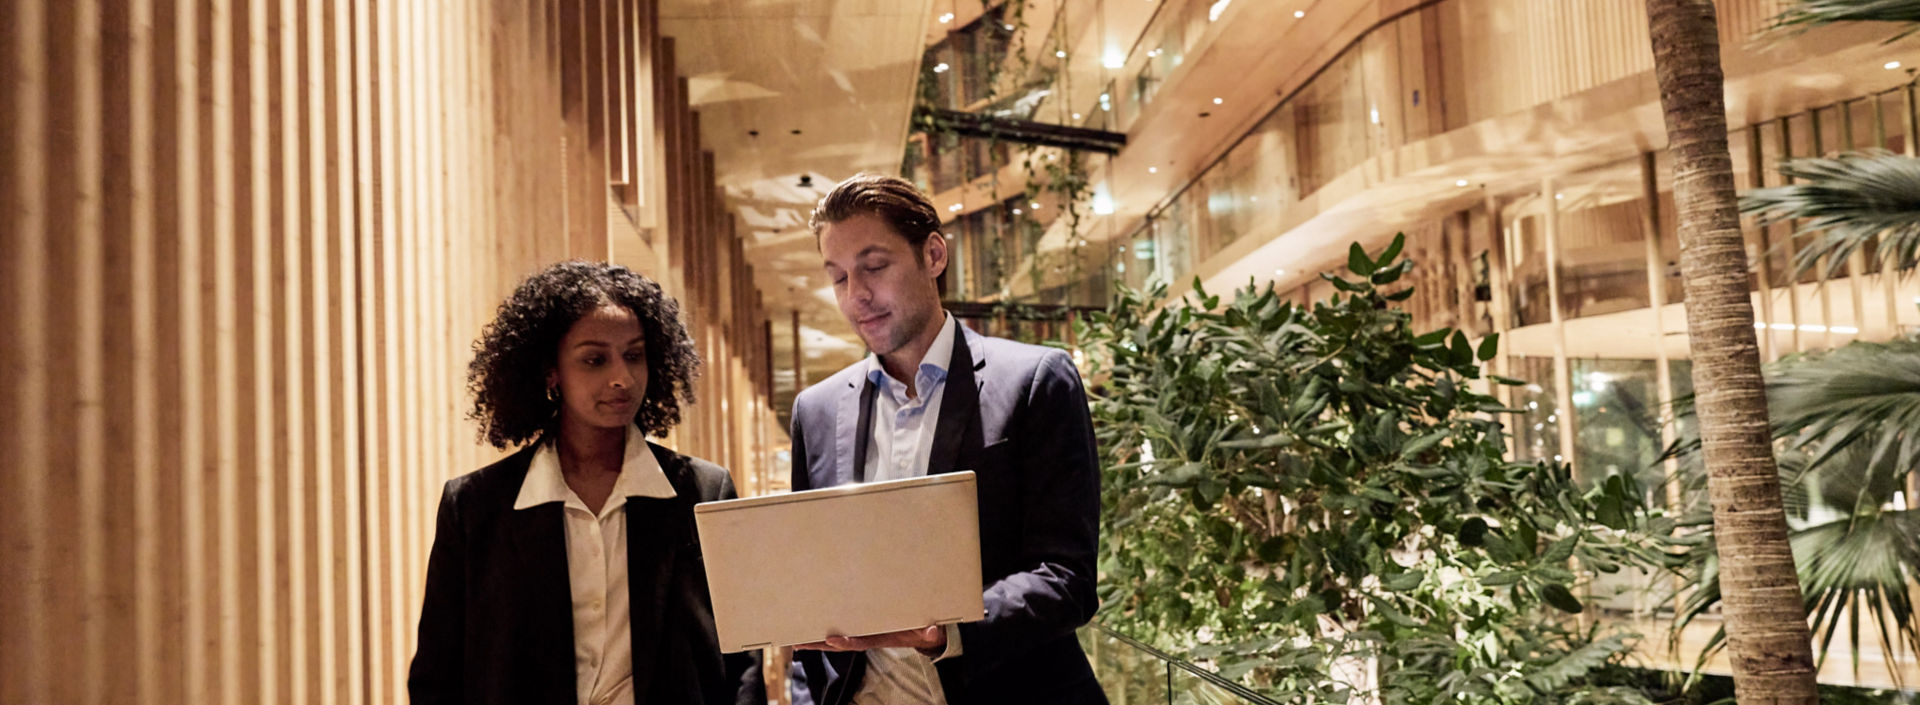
1010 81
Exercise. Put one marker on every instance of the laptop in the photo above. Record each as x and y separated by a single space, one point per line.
853 560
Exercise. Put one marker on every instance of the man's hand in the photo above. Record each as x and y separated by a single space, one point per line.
929 640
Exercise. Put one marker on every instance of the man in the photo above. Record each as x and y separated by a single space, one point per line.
936 397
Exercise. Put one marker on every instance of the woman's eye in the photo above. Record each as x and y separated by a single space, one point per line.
593 361
636 357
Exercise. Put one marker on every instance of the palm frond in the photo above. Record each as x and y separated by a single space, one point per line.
1806 14
1860 565
1851 481
1843 202
1864 393
1832 405
1691 475
1853 566
1578 663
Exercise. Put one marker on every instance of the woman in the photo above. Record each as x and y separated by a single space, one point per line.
570 572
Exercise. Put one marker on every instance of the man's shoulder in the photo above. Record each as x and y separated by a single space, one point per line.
1013 355
847 380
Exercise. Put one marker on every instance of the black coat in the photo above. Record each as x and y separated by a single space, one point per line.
497 623
1016 416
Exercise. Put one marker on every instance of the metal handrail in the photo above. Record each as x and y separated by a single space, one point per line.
1214 679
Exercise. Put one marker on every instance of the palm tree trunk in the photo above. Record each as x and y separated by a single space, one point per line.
1766 615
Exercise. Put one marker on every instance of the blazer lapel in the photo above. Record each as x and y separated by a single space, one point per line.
959 405
862 429
540 539
656 529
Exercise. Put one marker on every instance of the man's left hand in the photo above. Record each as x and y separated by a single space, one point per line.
929 640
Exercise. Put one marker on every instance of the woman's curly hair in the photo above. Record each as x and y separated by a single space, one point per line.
510 360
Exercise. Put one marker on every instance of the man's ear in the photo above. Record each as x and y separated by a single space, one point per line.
934 250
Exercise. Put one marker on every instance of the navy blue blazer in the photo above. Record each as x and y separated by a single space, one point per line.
497 623
1016 415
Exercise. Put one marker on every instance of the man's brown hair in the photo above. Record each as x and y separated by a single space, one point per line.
895 201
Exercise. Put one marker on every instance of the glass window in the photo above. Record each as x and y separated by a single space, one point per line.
1536 432
1523 223
1601 219
1173 240
1616 407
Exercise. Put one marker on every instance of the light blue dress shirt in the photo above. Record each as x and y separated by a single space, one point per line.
900 445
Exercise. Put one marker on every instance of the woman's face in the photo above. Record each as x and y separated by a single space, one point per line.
601 375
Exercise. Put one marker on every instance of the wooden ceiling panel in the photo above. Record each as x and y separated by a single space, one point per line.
793 89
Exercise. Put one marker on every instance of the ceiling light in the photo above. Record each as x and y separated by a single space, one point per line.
1009 27
1153 170
1114 59
1559 196
1061 54
1076 116
1460 182
1102 204
1891 65
1036 204
1374 115
946 18
1297 14
1279 272
1218 101
940 67
954 208
1155 52
1017 211
1219 6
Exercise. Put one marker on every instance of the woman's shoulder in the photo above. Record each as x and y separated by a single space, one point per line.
706 480
501 478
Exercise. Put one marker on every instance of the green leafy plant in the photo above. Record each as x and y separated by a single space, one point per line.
1842 204
1317 500
1845 420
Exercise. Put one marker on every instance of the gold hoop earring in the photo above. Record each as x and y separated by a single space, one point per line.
553 394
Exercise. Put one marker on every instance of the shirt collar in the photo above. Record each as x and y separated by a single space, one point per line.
934 365
640 476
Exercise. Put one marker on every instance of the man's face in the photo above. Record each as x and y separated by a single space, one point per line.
889 295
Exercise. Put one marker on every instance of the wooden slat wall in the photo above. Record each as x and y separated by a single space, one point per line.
1548 50
245 247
